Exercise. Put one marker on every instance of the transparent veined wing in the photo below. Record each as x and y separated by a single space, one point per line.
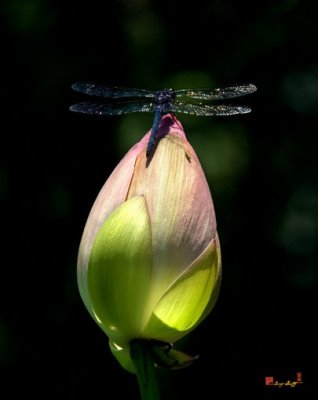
111 109
93 89
209 110
216 94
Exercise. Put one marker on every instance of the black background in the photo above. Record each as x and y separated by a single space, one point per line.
262 169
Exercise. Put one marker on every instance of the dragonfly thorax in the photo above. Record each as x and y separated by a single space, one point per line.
165 96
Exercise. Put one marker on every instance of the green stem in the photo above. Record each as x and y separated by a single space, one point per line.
141 354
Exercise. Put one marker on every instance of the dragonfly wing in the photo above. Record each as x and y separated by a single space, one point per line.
111 109
208 110
93 89
216 94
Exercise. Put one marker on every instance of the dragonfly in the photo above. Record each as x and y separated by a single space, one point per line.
121 100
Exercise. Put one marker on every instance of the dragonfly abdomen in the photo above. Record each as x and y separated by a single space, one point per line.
154 129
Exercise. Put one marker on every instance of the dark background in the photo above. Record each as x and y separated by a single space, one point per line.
262 169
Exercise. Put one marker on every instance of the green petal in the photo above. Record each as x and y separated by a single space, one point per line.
112 194
217 286
119 271
184 303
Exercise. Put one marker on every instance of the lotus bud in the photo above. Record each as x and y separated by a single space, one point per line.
149 264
